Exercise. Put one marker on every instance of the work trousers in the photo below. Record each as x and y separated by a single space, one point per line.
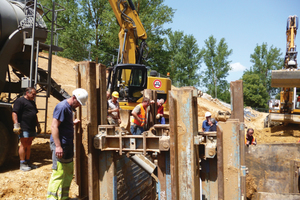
60 181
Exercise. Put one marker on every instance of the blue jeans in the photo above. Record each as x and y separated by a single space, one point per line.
136 130
162 120
27 134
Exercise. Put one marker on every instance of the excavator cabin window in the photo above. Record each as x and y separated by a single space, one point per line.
128 80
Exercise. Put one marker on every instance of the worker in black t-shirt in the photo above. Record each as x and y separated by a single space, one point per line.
25 120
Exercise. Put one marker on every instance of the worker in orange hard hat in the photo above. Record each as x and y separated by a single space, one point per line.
113 116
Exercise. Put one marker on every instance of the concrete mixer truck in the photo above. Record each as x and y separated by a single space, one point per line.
20 43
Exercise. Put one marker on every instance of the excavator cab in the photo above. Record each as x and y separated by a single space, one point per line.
129 80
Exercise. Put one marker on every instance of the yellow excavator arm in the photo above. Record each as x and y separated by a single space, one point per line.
131 30
291 32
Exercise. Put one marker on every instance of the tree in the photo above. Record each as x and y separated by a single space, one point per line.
74 38
184 59
264 61
255 93
216 60
104 28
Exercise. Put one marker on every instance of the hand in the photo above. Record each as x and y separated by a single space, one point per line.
119 120
59 152
76 121
39 130
17 128
115 110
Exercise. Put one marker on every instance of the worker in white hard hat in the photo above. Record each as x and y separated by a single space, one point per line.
61 144
205 125
113 116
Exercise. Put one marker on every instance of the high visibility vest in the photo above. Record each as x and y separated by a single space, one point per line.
253 139
142 116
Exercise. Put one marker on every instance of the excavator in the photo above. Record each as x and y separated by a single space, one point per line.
130 76
287 109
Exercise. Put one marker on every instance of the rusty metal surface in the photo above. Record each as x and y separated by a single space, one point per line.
209 178
231 158
185 128
131 181
285 78
275 196
288 118
272 166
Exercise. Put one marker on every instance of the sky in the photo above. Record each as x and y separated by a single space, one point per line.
243 23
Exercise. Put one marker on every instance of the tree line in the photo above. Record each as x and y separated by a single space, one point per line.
91 33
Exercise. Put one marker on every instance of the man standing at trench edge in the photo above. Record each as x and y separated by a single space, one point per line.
62 146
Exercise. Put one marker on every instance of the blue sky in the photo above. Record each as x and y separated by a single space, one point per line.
243 24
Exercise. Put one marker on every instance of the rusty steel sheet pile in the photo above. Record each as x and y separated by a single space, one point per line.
274 168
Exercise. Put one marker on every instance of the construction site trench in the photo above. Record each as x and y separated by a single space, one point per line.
15 184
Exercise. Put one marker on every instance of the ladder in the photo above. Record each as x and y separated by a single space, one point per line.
41 79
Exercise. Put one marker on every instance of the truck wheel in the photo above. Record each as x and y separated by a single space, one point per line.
4 143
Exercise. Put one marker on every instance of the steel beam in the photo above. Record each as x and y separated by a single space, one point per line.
184 128
237 105
231 159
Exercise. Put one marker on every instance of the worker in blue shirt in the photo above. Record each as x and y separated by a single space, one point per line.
205 125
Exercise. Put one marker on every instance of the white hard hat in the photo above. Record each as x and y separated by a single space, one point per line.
81 95
207 114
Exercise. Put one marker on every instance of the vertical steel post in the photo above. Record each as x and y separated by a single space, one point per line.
237 105
32 45
188 183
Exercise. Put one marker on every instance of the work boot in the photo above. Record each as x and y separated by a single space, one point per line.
32 166
24 167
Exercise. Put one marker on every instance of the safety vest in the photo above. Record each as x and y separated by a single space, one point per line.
253 139
142 116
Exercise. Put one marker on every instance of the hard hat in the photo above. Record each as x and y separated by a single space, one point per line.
81 95
115 94
207 114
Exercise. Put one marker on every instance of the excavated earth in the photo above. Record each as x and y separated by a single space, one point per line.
15 184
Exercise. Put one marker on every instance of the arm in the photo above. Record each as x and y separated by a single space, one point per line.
14 117
55 134
134 114
39 130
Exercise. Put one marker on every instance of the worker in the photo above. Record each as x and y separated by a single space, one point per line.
212 124
61 144
205 125
160 111
24 116
107 95
249 137
139 114
114 110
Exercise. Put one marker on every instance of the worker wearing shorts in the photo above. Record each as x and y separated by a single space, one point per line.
24 115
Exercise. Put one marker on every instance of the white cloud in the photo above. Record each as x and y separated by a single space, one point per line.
236 67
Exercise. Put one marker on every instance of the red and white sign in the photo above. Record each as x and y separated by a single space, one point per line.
157 83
